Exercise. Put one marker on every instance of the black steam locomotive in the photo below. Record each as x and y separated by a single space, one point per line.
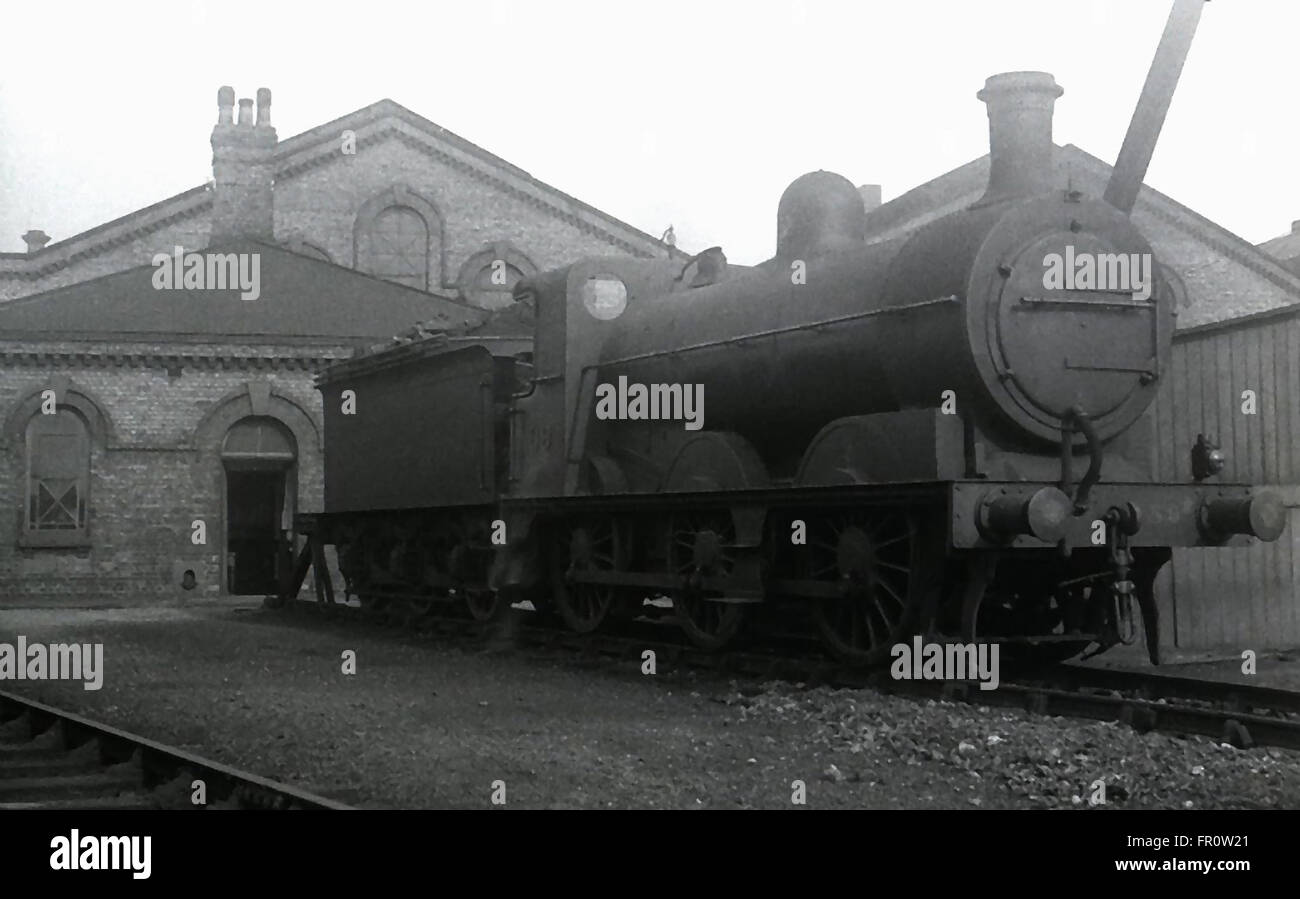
920 435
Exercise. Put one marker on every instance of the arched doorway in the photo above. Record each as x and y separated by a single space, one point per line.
259 456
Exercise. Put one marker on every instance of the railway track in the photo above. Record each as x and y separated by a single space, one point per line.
1241 715
54 759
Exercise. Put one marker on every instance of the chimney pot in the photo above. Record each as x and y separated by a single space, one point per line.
225 105
1295 227
263 106
245 112
36 240
1020 132
870 196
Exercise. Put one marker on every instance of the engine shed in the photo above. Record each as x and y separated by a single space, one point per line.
1235 381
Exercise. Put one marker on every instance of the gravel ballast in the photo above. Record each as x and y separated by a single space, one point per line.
428 724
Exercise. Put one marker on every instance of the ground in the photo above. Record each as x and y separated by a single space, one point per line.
426 724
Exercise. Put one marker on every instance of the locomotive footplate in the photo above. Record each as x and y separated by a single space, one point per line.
1023 515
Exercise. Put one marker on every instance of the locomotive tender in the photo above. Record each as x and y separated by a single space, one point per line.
912 436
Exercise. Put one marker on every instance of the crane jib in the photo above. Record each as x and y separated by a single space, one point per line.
1153 104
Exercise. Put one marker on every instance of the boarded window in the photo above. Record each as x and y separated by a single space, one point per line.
58 473
398 247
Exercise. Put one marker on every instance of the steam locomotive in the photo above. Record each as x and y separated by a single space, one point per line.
919 435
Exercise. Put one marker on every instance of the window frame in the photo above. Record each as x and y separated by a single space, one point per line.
401 195
418 266
30 536
481 261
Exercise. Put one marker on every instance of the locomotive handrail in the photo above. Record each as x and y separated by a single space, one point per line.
1082 301
772 332
1076 419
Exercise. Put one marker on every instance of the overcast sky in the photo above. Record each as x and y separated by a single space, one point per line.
692 113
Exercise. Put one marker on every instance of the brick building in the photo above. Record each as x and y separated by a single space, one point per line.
154 440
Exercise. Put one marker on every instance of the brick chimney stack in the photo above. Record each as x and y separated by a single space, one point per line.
243 169
36 240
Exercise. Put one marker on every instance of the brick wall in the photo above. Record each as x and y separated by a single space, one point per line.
155 468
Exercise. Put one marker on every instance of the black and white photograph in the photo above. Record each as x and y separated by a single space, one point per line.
888 407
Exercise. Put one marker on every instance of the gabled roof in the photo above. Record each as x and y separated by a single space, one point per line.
1285 248
301 299
1076 168
317 146
290 161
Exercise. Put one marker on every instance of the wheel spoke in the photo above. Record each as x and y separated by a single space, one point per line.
590 547
708 624
875 641
884 616
874 550
883 584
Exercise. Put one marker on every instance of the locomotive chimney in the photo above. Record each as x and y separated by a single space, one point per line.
1020 132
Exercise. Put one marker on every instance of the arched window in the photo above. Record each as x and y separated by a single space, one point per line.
399 247
58 478
259 438
398 235
494 285
488 278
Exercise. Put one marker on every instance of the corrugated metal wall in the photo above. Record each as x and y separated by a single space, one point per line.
1243 598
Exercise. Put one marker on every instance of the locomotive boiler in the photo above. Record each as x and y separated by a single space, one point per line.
939 433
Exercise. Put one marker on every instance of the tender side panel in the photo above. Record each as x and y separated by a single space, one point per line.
422 434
